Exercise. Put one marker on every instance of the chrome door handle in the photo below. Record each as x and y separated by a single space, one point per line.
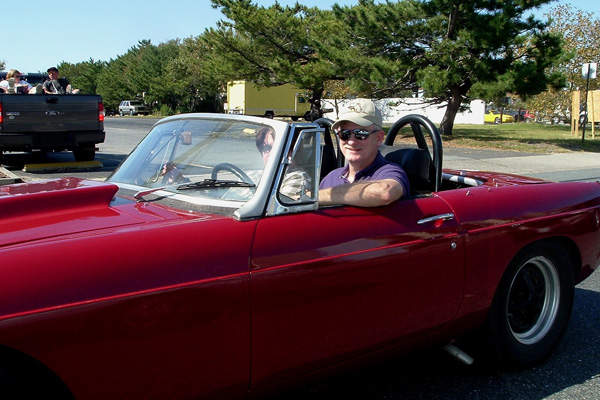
443 217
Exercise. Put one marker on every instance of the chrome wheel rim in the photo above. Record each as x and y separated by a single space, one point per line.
533 300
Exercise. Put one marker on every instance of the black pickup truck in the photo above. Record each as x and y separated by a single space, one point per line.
51 122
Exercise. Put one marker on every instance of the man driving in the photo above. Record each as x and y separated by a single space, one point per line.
368 179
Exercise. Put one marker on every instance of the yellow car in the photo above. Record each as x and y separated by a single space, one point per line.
493 117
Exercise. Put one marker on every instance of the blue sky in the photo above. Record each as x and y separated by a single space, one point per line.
75 30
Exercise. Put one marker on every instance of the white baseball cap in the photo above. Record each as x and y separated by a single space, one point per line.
362 112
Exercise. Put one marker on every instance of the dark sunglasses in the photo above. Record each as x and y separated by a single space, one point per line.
359 134
266 148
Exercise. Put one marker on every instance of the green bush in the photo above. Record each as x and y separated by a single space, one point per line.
165 110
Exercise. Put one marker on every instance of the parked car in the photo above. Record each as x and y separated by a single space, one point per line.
194 272
133 107
494 117
523 116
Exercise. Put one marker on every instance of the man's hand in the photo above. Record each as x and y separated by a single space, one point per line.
362 194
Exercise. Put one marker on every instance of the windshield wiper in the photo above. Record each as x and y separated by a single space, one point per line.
139 196
213 183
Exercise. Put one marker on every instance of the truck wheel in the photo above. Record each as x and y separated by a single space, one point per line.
269 114
294 118
307 116
121 113
131 112
85 154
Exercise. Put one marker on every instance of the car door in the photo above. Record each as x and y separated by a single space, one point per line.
334 284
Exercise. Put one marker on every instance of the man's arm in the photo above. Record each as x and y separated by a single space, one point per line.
46 87
362 194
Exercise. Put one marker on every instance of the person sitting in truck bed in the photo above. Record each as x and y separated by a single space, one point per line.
56 85
14 84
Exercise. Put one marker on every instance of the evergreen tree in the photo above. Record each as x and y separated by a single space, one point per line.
453 49
271 46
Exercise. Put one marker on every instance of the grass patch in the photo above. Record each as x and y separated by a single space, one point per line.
527 137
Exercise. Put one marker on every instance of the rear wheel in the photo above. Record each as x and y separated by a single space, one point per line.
269 114
532 305
131 112
497 120
85 154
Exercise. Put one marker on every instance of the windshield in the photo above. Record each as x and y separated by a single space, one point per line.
218 159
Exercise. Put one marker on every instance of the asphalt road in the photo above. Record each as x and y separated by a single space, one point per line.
573 372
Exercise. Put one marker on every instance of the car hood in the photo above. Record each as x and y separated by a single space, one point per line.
47 209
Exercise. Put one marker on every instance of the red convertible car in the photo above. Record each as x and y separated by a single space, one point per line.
205 268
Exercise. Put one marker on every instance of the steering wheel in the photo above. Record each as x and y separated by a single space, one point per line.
231 168
417 123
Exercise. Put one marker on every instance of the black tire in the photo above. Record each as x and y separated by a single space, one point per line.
121 113
85 154
269 114
22 378
131 113
14 387
532 305
497 121
294 118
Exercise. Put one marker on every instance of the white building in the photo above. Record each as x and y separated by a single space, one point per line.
393 109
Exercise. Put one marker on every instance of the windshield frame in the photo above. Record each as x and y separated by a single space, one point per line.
158 193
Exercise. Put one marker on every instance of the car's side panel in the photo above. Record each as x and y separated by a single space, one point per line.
342 282
153 311
500 221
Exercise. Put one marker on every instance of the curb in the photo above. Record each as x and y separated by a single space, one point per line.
7 177
65 166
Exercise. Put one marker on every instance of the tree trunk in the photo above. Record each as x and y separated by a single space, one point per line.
316 111
451 110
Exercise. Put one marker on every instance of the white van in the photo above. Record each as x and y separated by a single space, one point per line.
133 107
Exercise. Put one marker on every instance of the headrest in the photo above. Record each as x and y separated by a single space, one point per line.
416 163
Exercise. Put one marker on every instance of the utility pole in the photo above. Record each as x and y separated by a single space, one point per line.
589 72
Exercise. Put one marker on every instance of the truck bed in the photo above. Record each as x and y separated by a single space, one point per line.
52 123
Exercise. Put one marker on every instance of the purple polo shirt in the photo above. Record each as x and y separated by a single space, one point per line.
379 169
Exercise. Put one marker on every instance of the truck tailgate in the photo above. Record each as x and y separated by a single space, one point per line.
26 113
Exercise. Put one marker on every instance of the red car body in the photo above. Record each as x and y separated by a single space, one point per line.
113 297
